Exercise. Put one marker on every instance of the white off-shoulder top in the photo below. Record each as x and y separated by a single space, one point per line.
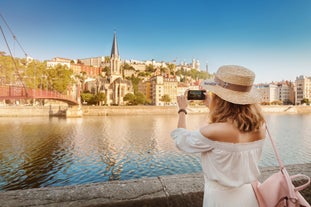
229 164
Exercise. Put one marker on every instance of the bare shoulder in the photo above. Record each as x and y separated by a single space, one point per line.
226 132
220 132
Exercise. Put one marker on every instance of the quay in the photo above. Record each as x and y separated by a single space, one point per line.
164 191
76 111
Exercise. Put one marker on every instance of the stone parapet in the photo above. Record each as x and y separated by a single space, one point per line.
165 191
19 111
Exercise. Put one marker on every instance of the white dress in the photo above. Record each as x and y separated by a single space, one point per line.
229 168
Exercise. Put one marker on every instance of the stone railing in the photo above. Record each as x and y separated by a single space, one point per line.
165 191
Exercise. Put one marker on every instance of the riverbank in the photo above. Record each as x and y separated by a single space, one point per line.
165 191
20 111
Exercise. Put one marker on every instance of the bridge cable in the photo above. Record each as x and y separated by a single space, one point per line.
13 35
18 74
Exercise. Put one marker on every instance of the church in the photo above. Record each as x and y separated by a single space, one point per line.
114 86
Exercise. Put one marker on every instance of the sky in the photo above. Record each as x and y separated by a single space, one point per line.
270 37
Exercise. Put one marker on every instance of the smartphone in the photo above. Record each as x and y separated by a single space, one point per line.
196 95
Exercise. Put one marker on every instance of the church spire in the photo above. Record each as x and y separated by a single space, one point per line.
114 49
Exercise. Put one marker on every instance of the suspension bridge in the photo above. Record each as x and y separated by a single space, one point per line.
9 92
19 90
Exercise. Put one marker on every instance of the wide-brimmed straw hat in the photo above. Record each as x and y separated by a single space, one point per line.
234 84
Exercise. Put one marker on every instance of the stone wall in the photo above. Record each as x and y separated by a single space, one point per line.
7 111
164 191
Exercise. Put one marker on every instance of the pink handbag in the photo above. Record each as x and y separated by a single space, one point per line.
278 190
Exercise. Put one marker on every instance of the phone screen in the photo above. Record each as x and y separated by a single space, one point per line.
196 95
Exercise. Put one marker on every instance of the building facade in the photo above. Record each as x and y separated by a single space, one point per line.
57 60
268 92
115 87
93 61
303 89
286 92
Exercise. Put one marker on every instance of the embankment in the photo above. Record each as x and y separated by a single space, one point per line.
164 191
19 111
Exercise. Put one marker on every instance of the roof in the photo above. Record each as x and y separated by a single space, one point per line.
114 49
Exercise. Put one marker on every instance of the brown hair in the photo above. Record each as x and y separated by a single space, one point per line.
246 118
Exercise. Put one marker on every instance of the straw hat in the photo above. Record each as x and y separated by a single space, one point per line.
234 84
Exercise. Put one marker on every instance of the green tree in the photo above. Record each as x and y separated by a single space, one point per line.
135 81
140 98
99 98
107 59
59 78
171 67
130 98
166 98
87 97
305 101
150 68
106 70
35 75
11 69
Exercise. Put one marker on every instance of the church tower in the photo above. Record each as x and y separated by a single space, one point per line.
116 87
115 61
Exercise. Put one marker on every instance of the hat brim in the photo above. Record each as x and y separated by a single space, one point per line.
232 96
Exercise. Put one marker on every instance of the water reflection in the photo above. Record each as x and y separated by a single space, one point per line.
30 154
38 152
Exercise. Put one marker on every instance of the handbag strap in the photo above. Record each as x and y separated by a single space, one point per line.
285 173
274 149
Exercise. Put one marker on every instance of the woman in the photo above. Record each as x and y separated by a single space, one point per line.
231 144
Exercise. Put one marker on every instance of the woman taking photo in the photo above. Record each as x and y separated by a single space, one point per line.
231 144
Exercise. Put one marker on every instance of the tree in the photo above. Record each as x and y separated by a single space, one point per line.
107 59
106 70
130 98
135 81
171 67
150 68
140 98
135 99
305 101
99 98
35 75
87 97
166 98
59 78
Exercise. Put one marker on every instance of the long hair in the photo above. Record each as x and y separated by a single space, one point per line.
246 118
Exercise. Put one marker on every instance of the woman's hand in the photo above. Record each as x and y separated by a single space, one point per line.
182 102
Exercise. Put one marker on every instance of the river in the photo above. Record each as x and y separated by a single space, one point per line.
41 151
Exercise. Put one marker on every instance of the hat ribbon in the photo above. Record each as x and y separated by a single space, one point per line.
230 86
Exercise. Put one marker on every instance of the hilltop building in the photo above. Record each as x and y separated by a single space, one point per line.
57 60
93 61
195 64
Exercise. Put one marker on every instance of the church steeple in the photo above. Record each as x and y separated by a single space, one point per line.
115 61
114 49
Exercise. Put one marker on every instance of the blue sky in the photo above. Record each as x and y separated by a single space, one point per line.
271 37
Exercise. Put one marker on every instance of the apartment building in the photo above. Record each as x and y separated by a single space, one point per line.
57 60
158 86
286 92
303 89
268 92
90 71
93 61
283 91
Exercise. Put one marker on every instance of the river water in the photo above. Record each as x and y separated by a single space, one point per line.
41 151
